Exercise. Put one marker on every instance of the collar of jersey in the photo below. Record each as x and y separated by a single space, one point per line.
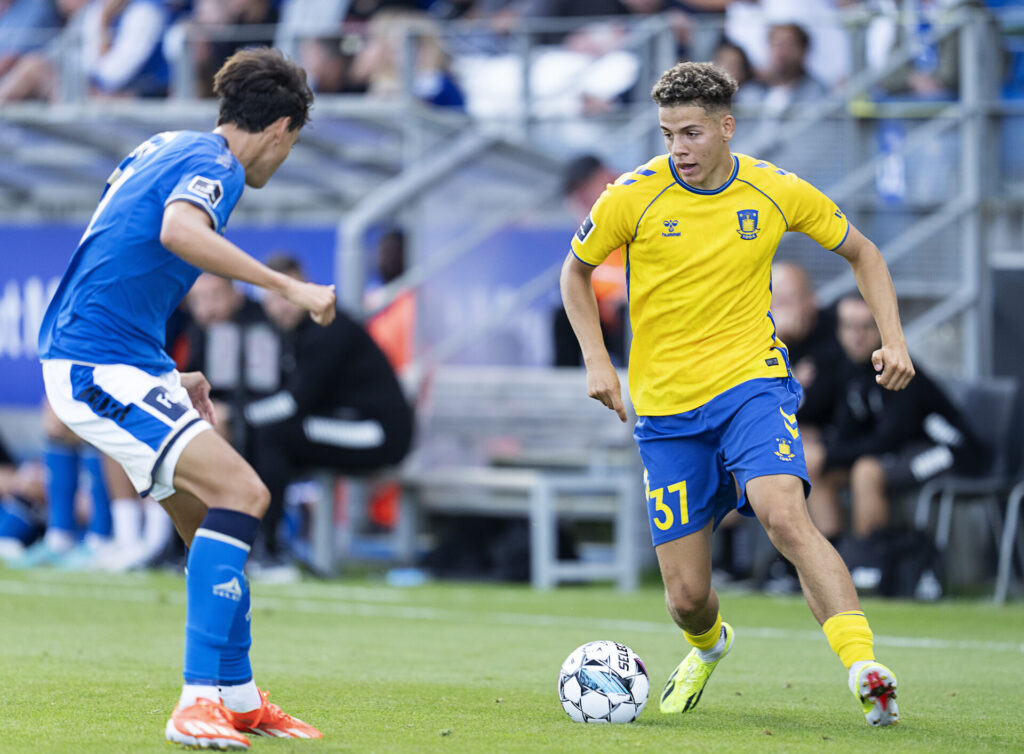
720 189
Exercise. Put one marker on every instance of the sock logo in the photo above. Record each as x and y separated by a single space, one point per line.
230 589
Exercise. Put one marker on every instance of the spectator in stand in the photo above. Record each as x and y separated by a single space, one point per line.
231 341
879 442
340 407
217 29
586 178
379 64
123 50
733 59
302 20
34 75
788 82
25 25
328 62
809 333
121 44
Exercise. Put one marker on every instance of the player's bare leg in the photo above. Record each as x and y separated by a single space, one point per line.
778 501
693 604
187 512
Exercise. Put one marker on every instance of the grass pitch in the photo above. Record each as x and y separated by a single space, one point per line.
91 663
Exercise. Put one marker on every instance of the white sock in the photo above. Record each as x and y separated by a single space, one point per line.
244 697
190 692
59 540
126 515
715 653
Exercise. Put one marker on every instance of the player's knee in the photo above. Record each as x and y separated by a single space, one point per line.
788 526
249 495
684 599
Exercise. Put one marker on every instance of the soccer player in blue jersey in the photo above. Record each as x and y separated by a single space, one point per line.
158 224
710 380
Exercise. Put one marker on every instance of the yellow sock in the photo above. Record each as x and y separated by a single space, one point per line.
849 635
709 638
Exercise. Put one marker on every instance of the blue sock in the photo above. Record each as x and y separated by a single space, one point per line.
61 485
235 668
100 522
214 589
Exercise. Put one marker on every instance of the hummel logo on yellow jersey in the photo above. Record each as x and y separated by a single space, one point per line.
670 228
790 422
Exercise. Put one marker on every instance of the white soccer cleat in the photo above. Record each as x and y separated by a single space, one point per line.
874 685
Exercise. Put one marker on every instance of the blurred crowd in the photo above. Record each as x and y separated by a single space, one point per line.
585 57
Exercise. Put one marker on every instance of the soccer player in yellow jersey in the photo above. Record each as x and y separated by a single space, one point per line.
710 381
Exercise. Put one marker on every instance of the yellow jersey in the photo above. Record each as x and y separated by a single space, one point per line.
698 273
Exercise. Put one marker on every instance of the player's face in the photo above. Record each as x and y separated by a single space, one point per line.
857 331
698 142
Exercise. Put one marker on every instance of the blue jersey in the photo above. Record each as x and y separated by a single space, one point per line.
121 284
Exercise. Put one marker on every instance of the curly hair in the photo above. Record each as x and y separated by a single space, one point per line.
257 86
704 84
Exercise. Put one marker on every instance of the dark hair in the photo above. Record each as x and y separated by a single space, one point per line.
704 84
259 85
287 264
803 38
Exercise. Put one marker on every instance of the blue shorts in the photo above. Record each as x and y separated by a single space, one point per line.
690 459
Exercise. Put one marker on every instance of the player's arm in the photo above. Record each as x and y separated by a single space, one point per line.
187 232
581 308
875 284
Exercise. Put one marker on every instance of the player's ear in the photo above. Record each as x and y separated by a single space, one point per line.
728 126
280 127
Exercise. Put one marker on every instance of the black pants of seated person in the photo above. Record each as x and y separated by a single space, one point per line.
349 443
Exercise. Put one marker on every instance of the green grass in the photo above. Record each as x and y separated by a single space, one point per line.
91 663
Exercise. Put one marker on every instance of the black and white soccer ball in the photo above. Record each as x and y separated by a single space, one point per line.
603 682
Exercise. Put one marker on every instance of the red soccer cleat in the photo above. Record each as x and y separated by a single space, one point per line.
270 720
206 725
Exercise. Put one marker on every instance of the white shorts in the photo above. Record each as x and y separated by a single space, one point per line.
141 421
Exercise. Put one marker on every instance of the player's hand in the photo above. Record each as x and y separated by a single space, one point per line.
318 300
603 385
895 370
199 393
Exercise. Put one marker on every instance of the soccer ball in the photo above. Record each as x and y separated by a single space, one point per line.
603 682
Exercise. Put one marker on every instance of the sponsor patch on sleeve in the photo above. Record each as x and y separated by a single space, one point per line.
209 189
585 230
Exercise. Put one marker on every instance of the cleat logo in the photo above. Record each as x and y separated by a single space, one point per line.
229 589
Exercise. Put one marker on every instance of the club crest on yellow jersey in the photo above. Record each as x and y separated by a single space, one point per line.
748 224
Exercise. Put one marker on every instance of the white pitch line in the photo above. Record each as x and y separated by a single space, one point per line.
141 593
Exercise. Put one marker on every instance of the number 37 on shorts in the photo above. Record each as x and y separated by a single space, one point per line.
666 505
